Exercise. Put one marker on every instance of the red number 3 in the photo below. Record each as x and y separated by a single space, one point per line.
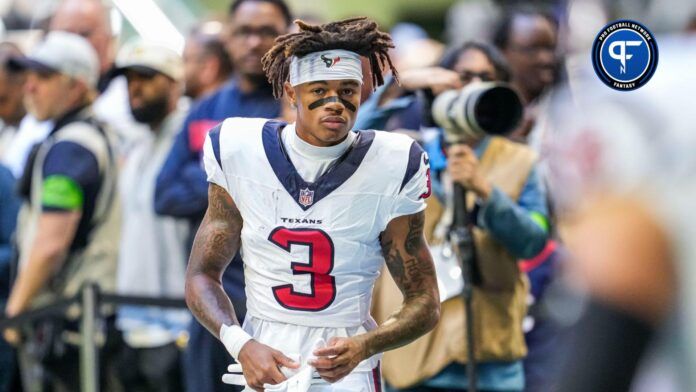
321 260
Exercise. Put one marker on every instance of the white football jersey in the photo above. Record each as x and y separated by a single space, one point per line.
311 250
641 145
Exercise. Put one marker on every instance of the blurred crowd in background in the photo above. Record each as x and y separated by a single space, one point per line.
105 107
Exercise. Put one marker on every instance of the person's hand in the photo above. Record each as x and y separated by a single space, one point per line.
462 166
435 78
339 357
261 364
12 336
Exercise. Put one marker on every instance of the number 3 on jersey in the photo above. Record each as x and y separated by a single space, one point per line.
321 261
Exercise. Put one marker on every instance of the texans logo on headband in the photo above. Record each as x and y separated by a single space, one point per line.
334 64
330 62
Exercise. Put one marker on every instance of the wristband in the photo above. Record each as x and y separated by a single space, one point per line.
233 337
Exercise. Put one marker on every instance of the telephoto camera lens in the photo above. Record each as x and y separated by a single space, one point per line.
479 109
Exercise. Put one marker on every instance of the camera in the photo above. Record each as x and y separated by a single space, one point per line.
477 110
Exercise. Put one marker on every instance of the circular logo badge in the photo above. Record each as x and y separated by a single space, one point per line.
624 55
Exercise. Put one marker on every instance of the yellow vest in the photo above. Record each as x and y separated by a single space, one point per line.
499 304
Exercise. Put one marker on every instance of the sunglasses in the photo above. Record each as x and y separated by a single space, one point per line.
468 76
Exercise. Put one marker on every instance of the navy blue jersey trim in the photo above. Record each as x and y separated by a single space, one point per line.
327 182
414 159
215 142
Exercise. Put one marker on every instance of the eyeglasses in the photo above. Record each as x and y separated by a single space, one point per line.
264 32
468 76
533 50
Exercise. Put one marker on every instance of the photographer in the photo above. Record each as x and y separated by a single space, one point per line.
509 215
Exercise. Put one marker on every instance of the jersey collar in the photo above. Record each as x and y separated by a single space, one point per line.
306 194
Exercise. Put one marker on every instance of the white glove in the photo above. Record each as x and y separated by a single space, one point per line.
300 382
235 375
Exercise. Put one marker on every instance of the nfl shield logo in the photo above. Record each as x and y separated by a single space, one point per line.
306 197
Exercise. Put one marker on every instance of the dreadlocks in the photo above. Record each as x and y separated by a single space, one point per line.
359 35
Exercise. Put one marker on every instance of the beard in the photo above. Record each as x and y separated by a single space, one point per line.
260 81
191 91
192 88
152 111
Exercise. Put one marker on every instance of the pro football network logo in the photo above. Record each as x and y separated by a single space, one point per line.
624 55
306 197
330 62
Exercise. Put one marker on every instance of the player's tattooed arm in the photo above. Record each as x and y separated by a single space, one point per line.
410 264
216 243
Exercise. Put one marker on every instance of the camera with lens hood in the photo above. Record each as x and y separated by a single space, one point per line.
477 110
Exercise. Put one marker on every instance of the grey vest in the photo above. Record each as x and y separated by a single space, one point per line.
96 262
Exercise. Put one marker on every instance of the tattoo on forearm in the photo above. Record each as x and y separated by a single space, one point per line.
415 233
411 270
215 245
410 264
220 241
394 261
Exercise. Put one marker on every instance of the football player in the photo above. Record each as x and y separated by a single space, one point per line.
316 209
623 170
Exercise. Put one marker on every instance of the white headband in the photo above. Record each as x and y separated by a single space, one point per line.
336 64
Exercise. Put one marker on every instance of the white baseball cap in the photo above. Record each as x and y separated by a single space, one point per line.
150 57
65 53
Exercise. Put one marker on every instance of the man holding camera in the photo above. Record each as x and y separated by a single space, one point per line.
508 211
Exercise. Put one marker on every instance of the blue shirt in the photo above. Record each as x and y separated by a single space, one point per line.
403 112
511 222
71 178
9 207
182 186
78 171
